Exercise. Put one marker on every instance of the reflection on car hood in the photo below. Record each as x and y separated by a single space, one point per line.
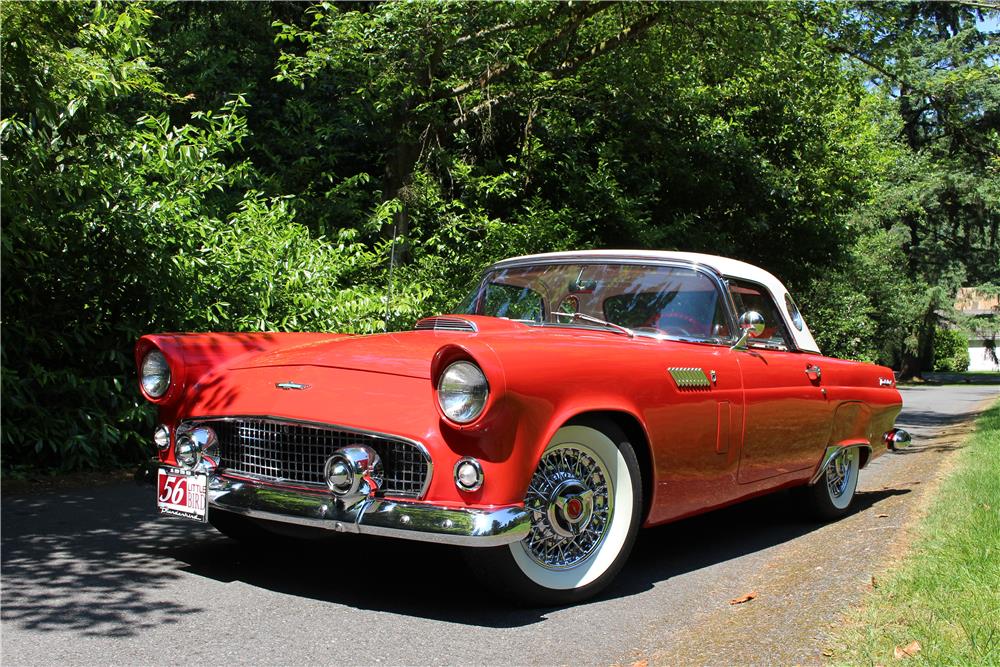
408 354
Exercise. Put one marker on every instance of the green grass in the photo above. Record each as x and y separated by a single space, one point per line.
946 593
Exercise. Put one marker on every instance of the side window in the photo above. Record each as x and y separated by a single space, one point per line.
748 296
512 302
793 312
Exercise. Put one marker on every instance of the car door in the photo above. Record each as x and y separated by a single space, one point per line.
695 414
787 415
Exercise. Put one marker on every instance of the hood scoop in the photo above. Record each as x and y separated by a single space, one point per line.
445 324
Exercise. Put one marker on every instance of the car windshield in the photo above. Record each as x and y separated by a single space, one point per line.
655 300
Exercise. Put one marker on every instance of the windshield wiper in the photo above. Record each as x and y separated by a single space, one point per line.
596 320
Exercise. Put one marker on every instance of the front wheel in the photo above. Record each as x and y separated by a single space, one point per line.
585 498
831 497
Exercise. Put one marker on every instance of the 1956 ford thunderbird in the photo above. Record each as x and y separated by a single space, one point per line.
570 399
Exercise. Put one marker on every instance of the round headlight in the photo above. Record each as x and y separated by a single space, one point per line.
155 374
462 392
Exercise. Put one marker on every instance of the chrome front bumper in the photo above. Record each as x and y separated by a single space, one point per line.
370 516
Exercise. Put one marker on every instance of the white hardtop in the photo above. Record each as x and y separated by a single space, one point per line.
724 266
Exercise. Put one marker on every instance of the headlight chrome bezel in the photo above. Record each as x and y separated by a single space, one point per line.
157 390
449 386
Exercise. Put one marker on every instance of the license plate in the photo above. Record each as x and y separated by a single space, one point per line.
182 493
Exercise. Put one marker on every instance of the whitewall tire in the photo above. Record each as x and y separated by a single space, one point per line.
832 495
585 498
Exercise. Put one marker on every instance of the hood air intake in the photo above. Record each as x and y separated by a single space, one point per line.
445 324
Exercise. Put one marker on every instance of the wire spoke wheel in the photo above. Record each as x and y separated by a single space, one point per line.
585 500
838 474
571 499
831 496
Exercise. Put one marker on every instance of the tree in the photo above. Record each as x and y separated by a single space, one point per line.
941 78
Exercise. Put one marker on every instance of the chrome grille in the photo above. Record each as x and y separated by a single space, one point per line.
279 451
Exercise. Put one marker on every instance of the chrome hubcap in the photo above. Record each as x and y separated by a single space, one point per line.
570 508
570 501
838 473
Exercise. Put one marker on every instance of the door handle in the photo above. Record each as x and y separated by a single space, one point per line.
814 372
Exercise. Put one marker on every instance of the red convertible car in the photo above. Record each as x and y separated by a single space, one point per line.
570 399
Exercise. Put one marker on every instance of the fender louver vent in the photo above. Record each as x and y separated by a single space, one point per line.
445 324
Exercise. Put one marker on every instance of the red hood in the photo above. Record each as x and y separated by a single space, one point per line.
408 354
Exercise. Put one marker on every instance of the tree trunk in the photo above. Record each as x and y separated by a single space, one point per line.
398 177
916 361
910 366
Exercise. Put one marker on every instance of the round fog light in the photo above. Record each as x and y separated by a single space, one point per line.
161 437
339 475
187 451
468 474
352 470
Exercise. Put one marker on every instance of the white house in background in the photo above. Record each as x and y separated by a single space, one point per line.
984 339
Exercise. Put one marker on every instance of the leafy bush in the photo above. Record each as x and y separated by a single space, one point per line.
118 223
951 350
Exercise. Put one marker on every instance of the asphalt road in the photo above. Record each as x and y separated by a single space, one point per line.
95 577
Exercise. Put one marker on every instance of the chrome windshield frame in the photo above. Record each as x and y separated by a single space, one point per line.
626 260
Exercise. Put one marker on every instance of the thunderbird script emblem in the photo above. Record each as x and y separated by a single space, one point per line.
291 385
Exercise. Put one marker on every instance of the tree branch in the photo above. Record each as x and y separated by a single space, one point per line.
479 110
507 25
836 48
629 34
496 70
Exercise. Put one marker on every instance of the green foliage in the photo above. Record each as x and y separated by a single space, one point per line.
283 166
131 224
951 350
940 78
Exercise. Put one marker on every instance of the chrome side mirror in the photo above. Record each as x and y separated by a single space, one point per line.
752 324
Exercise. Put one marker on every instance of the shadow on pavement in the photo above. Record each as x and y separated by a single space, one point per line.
915 419
91 562
102 563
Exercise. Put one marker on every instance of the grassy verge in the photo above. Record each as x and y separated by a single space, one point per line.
946 593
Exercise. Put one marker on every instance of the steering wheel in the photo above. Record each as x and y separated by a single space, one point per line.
673 328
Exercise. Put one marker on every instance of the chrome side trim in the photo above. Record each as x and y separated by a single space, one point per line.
384 517
830 453
191 421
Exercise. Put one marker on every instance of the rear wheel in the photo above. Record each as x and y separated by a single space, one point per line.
831 496
585 498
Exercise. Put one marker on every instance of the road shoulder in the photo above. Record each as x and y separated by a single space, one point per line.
803 587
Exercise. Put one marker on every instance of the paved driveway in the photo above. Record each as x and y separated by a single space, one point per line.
95 577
